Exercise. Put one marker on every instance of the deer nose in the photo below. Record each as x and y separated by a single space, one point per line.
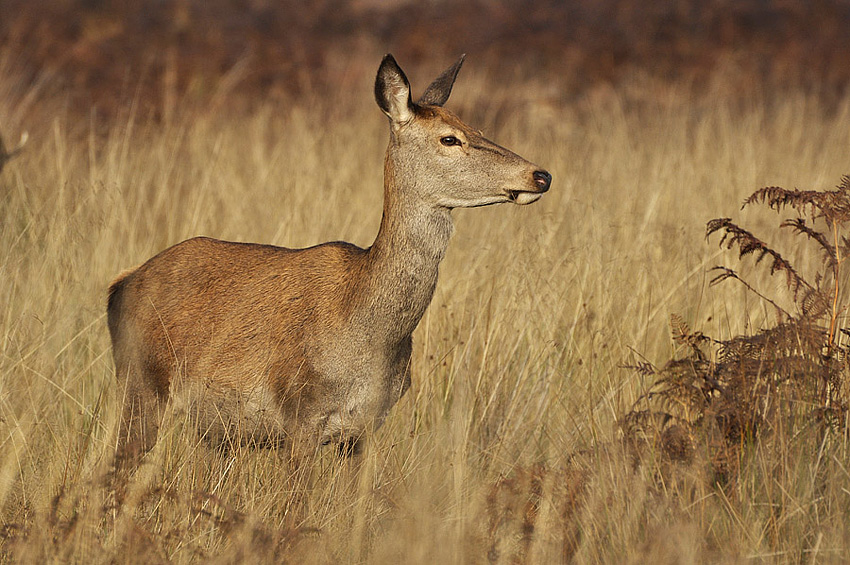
542 179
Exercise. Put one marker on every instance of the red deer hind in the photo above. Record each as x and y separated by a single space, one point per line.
302 347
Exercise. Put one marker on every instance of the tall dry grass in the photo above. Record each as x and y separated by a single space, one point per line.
506 447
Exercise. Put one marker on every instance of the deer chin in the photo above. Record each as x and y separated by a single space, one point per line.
522 198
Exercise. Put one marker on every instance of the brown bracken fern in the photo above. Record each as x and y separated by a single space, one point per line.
723 394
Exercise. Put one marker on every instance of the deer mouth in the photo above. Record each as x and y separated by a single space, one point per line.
522 197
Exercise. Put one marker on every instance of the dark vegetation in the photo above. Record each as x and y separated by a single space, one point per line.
108 51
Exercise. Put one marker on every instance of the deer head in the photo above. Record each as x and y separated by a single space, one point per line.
445 162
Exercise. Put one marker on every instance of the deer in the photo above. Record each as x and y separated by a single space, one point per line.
300 348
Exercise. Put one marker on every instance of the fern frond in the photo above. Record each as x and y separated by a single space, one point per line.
832 205
727 273
814 304
778 198
799 225
747 244
642 368
683 335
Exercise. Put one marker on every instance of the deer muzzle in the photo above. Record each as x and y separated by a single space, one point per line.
542 180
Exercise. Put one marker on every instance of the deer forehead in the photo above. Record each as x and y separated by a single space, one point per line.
438 120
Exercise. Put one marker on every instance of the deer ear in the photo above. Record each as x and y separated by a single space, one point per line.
392 91
438 91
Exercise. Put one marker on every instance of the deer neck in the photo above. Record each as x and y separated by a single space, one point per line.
402 265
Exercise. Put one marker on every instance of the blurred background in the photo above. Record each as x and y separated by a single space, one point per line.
108 51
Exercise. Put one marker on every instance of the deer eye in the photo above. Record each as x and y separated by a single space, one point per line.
450 140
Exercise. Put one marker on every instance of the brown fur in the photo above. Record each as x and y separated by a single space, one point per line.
310 346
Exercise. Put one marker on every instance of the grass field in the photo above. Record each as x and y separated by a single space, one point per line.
507 446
